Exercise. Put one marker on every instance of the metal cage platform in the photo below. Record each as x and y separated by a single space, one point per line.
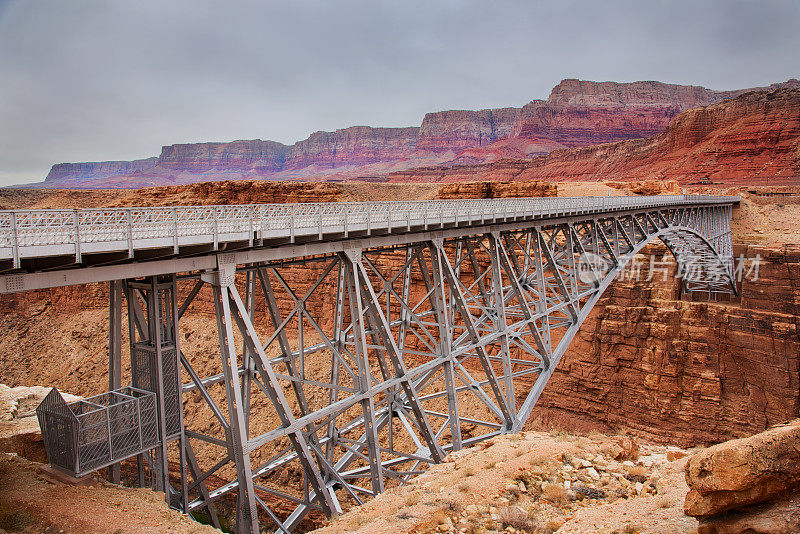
87 435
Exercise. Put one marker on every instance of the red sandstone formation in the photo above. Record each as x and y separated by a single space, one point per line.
497 190
69 172
752 138
577 113
461 129
747 485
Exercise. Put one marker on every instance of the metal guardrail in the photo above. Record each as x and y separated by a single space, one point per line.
34 233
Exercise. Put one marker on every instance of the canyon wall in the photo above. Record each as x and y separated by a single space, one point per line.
461 129
576 114
65 173
358 145
685 372
753 138
253 154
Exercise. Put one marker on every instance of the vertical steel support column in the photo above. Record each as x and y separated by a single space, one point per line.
182 443
338 342
500 323
114 351
153 339
246 511
352 274
247 355
154 312
135 331
440 309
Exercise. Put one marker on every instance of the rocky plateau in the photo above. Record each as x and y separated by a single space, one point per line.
576 114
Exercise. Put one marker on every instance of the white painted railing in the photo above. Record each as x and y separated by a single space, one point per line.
34 233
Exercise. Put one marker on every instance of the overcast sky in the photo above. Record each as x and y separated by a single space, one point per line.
105 80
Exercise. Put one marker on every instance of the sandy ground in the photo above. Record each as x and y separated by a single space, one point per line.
32 503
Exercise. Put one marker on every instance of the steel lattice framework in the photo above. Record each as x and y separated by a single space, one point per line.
417 331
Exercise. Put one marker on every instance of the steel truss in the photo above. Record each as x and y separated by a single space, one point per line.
377 362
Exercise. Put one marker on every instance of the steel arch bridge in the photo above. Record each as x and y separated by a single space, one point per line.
358 343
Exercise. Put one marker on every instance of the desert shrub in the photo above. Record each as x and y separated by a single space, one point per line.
637 471
513 516
453 507
552 526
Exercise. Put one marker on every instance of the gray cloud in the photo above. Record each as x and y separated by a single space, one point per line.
97 80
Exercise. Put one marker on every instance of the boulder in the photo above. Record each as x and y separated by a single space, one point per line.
779 517
744 472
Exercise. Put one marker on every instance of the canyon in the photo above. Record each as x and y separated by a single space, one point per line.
576 114
648 362
669 369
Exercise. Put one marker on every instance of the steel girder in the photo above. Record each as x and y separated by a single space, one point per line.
376 363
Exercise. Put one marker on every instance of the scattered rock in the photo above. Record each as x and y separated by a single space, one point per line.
673 455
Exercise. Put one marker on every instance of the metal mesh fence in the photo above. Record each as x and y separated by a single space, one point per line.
89 434
143 372
59 431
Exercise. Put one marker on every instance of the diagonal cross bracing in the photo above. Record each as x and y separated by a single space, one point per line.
360 343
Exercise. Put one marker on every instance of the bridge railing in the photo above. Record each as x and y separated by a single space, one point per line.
28 233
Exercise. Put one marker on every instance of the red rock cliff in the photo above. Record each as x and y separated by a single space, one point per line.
252 154
741 140
577 113
358 145
460 129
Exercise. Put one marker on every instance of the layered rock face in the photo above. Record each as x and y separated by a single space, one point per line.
358 145
685 372
577 113
753 138
351 146
254 154
461 129
64 173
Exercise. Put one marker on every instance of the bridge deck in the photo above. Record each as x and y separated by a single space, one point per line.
47 240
